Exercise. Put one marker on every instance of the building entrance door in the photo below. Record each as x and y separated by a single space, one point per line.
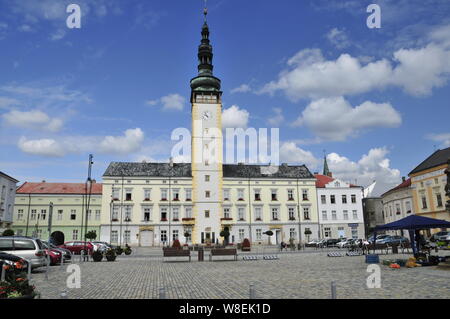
278 237
146 237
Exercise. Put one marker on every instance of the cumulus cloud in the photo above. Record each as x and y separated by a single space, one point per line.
234 117
277 118
291 153
334 119
174 102
34 119
310 75
443 138
338 38
373 166
126 144
244 88
129 143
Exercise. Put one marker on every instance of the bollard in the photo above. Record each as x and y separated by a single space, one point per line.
64 295
81 256
333 290
162 293
3 275
47 267
252 292
62 261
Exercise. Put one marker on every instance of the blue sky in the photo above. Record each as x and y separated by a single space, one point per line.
375 99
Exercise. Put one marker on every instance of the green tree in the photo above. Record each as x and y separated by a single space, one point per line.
91 235
8 232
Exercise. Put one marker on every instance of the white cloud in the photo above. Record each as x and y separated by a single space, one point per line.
310 75
129 143
338 38
277 118
6 102
334 119
169 102
58 35
34 119
374 166
42 147
244 88
291 153
443 138
234 117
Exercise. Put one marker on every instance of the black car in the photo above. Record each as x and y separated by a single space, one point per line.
10 259
331 242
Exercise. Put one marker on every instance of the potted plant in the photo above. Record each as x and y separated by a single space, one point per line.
97 256
176 244
119 250
110 255
127 250
16 284
246 245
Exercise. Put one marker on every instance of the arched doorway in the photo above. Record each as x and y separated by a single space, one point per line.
57 238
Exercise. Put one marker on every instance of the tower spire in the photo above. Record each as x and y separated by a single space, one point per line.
205 10
326 170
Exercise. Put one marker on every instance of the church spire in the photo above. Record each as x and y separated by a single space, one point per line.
205 81
326 170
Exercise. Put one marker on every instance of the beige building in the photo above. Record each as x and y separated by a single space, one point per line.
62 206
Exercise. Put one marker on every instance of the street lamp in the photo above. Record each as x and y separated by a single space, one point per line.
447 186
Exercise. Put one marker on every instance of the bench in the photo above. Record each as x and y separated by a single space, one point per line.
223 252
175 252
383 247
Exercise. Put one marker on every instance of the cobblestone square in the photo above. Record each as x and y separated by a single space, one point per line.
295 275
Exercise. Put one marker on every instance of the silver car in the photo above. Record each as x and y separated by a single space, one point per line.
26 248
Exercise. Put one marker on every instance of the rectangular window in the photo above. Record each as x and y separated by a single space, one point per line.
147 214
305 194
206 213
274 213
114 236
207 194
97 214
176 195
89 214
147 194
274 194
293 233
439 200
188 212
333 199
408 207
128 193
75 234
306 213
424 202
73 214
163 236
324 215
241 213
258 214
355 214
290 194
291 211
240 194
323 199
333 215
397 209
126 236
344 199
257 194
20 214
43 214
259 234
164 194
163 212
226 213
226 194
176 214
207 177
345 214
241 234
353 199
115 213
59 216
115 194
188 194
33 214
175 234
128 211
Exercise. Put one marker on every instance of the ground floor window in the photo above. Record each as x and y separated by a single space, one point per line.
258 234
75 234
175 235
292 233
188 231
327 232
241 234
163 236
354 233
114 236
127 236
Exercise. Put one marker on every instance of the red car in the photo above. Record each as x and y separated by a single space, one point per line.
77 246
55 256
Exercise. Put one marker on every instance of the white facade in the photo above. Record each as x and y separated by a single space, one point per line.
340 210
7 199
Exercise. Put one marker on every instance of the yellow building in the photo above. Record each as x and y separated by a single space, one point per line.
428 182
60 205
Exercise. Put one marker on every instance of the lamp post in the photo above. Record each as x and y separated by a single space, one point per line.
447 186
50 216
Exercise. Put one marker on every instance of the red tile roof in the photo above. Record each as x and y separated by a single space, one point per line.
57 188
405 184
323 180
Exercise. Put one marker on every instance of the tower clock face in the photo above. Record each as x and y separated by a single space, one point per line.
206 115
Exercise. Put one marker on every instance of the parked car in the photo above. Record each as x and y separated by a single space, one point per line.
393 240
443 236
331 242
99 246
24 247
313 243
67 255
379 237
55 256
345 243
13 261
77 246
102 242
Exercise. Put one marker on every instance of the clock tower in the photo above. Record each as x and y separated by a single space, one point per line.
206 154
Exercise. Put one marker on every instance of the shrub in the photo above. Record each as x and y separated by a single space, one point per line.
92 235
176 244
8 232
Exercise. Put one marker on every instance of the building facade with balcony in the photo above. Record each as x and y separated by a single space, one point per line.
65 207
398 204
428 182
7 198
